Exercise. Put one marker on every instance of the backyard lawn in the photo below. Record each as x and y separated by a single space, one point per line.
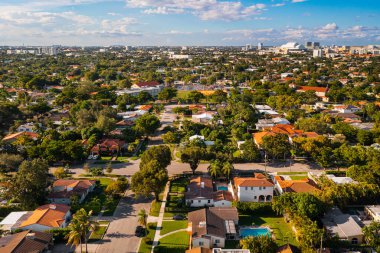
298 177
146 243
170 226
99 232
175 243
280 228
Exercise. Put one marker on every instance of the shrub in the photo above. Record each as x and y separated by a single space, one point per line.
59 234
256 207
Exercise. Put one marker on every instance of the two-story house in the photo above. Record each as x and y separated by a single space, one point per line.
64 189
211 227
253 189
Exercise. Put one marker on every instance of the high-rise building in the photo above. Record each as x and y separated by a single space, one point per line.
260 46
312 45
317 53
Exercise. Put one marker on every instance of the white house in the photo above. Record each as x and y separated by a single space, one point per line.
64 189
373 212
253 189
346 108
28 127
210 227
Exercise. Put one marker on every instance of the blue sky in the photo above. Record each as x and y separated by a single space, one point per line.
188 22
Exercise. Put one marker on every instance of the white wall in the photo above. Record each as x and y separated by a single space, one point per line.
251 194
200 202
223 203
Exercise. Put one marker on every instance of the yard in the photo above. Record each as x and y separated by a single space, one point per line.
175 243
146 243
97 199
282 230
99 232
175 199
170 226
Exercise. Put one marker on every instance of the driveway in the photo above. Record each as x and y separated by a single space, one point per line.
120 236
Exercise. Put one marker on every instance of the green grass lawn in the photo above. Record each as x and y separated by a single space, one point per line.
155 208
170 226
98 233
179 185
183 93
280 228
175 243
298 177
146 244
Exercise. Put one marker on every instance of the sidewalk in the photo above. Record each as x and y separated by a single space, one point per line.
160 217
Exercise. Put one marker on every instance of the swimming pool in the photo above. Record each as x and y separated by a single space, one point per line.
222 188
245 232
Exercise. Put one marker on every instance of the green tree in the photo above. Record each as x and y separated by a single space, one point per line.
10 162
74 237
82 225
372 235
147 124
215 168
195 96
171 138
193 156
152 177
259 244
60 173
160 153
364 137
227 169
30 183
250 152
277 146
167 94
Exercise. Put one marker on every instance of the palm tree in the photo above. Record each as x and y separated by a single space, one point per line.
214 168
143 216
74 237
83 219
227 169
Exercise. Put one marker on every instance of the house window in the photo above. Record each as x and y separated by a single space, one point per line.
264 187
260 188
192 201
354 241
251 188
246 188
217 241
209 201
200 243
199 201
255 197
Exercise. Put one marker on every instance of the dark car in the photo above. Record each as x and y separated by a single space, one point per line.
140 231
179 217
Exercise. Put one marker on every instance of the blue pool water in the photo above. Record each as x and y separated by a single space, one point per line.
245 232
222 188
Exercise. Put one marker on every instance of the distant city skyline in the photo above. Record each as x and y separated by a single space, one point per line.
188 22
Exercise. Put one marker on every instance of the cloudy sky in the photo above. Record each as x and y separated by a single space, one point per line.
188 22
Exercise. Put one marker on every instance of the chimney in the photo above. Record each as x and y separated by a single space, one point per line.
202 184
53 207
31 235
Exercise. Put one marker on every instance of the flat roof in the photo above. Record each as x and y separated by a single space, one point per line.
12 218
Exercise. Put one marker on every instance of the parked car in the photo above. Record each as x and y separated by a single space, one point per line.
179 217
140 231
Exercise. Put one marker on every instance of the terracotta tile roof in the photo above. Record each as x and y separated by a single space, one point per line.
148 84
258 137
302 185
50 215
251 182
78 187
223 195
25 242
288 248
14 136
313 88
197 191
286 129
199 250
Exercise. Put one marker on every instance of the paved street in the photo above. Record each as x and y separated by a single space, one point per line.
120 236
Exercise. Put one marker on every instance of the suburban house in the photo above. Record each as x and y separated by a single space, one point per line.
27 127
288 248
373 212
263 124
26 242
64 189
15 136
303 185
286 129
13 220
346 117
319 91
345 226
337 180
47 217
145 84
210 227
200 193
253 189
109 147
346 108
203 117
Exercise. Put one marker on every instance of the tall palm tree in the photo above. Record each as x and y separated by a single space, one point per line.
143 216
227 169
214 168
74 237
85 223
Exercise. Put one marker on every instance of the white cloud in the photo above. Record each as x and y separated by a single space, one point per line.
298 1
330 27
204 9
278 5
